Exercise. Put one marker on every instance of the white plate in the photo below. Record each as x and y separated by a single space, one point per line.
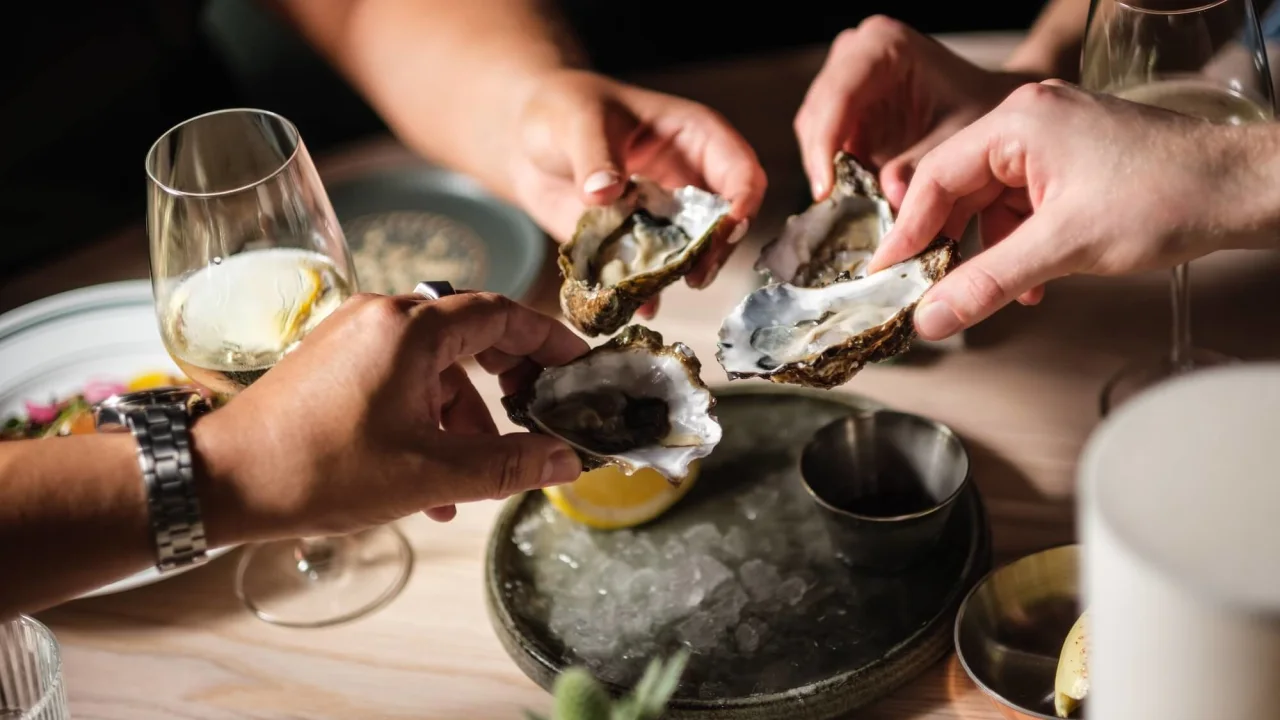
53 347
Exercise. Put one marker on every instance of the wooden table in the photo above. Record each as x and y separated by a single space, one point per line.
1023 394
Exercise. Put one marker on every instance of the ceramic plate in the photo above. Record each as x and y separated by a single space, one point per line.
743 571
53 347
421 222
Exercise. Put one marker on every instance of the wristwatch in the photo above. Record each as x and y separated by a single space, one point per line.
160 421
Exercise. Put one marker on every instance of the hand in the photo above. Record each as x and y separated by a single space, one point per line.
582 135
1080 183
888 94
372 419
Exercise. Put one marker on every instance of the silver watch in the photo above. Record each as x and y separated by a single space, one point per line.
160 421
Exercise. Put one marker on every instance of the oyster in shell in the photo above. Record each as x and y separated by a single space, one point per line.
837 235
631 402
822 336
623 254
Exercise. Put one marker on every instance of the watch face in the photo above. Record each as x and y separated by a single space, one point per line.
110 414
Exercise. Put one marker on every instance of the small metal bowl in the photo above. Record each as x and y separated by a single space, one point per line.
887 482
1010 630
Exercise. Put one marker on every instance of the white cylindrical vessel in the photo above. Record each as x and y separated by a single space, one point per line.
1180 524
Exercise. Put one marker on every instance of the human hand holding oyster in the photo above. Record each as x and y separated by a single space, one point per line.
1043 168
888 94
584 136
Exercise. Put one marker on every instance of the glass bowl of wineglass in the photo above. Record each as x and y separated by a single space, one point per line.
247 257
1202 58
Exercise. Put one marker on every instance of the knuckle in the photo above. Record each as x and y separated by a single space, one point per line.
1034 95
885 31
985 291
379 312
846 39
800 123
513 471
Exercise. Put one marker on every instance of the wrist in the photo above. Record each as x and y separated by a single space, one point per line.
218 460
1254 150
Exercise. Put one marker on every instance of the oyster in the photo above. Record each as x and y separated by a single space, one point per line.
623 254
631 402
837 235
822 336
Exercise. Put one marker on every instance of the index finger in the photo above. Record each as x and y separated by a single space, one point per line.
960 169
732 170
460 326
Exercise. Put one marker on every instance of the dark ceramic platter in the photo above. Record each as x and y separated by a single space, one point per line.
814 639
407 224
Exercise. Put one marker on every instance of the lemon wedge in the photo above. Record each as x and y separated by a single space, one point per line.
1071 684
609 499
147 381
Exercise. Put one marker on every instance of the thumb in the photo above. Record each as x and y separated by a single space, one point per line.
595 152
1027 258
479 467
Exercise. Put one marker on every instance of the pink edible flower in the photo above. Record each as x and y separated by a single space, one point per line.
41 414
98 390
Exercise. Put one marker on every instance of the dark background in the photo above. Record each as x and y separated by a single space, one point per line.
86 87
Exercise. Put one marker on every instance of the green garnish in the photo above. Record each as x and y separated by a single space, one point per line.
579 696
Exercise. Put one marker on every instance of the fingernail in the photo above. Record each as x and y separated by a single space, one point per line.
817 190
600 180
935 321
562 467
739 232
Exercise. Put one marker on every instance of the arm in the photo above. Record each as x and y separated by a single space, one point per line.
73 516
73 511
426 66
1053 46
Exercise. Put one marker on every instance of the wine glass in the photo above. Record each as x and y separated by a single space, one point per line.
247 257
1203 58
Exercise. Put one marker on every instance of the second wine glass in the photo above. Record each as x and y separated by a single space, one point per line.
1200 58
247 257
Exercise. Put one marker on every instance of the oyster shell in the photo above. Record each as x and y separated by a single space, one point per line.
623 254
837 235
631 402
822 336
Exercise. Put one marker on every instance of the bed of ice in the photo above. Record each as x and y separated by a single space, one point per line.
745 575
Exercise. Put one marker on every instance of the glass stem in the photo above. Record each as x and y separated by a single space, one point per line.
1181 318
317 556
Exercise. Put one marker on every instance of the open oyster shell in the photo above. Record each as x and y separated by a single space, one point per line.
837 235
623 254
822 336
631 402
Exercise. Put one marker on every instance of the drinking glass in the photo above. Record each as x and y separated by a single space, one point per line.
31 686
1203 58
247 257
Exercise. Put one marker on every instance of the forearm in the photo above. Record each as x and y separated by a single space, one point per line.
448 76
74 517
1052 47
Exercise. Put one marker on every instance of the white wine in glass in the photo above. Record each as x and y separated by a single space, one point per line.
227 324
1201 58
247 257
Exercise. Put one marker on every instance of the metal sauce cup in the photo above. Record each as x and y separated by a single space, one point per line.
888 482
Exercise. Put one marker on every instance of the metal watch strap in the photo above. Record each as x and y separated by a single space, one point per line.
163 434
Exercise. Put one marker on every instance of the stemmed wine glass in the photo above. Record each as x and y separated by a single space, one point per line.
247 257
1203 58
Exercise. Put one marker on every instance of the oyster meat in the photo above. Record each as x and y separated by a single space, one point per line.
835 236
623 254
822 336
631 402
